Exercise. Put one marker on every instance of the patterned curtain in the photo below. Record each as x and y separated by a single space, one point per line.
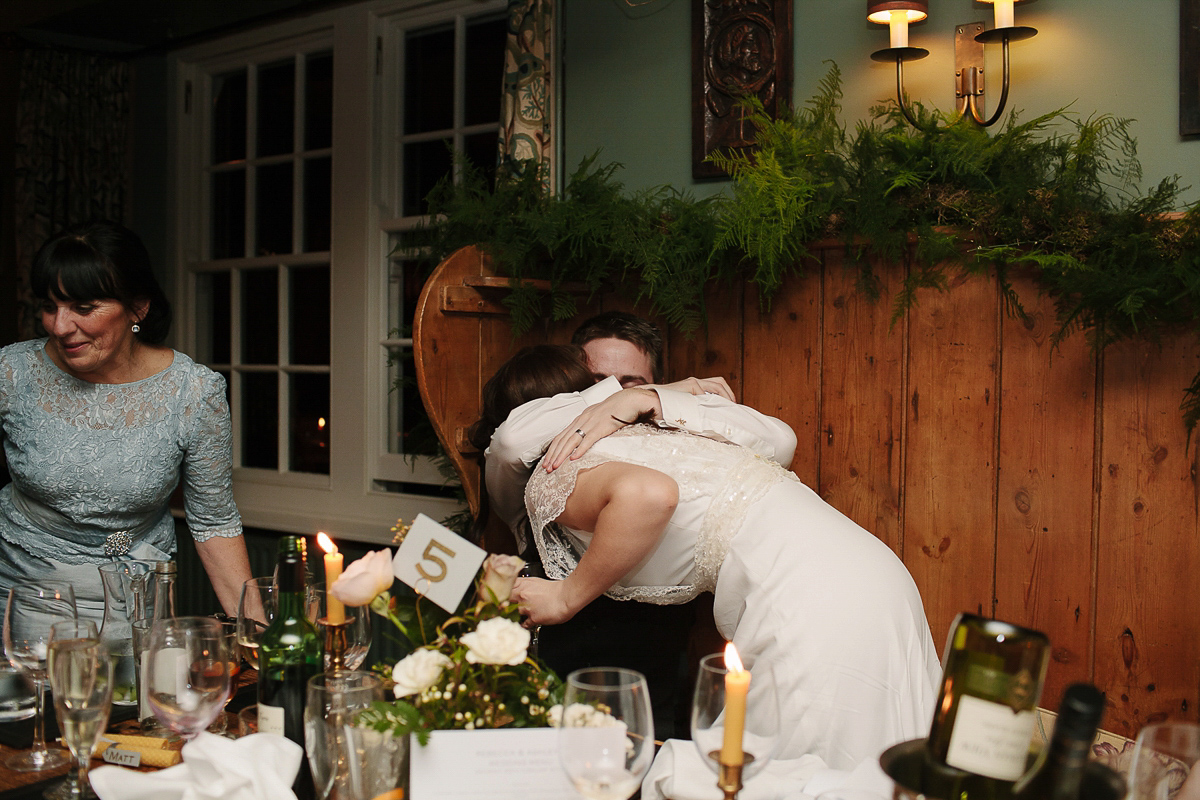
527 113
71 152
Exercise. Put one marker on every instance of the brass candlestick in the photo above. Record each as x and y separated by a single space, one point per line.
729 776
336 642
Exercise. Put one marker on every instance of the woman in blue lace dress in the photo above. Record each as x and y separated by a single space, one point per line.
100 422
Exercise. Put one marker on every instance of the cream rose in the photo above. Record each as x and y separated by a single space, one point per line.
364 578
496 641
419 670
499 575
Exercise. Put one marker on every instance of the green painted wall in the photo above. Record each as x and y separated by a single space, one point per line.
627 74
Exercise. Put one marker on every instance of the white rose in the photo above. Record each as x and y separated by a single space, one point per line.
582 715
364 578
554 715
419 670
499 575
496 641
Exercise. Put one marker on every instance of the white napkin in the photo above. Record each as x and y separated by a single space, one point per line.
260 766
679 773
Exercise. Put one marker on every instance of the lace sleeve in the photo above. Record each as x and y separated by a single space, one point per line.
208 460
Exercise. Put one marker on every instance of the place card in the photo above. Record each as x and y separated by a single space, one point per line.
503 764
436 562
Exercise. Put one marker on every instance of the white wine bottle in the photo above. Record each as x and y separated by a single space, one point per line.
992 674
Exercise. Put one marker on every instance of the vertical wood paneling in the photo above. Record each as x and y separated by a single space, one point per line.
715 349
862 402
1148 569
1045 490
782 363
949 471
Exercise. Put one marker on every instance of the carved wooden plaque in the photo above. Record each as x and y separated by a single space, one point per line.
739 48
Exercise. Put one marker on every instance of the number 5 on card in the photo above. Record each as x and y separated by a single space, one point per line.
437 562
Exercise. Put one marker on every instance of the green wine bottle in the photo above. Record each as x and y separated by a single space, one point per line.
1059 773
987 705
289 650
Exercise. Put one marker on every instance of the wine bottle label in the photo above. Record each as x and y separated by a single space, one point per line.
990 739
270 719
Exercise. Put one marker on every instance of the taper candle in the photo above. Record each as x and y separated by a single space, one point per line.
737 685
335 612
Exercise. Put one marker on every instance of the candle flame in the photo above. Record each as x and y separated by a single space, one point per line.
733 662
321 424
325 542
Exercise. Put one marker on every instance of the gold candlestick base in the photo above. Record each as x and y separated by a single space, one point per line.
336 643
729 776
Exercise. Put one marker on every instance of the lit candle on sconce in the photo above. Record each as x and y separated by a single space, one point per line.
897 14
1003 11
737 686
335 612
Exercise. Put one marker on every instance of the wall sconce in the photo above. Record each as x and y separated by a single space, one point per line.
969 40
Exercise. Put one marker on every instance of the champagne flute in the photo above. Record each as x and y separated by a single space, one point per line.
606 736
761 731
1166 762
188 665
82 678
33 606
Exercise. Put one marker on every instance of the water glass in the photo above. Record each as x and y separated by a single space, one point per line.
761 730
606 736
187 679
1166 762
33 607
348 761
82 678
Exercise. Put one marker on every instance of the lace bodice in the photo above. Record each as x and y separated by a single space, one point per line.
92 459
717 481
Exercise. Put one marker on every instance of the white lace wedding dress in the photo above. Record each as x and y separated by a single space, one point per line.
796 584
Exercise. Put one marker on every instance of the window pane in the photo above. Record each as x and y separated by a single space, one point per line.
213 310
229 116
317 204
425 163
276 108
273 209
309 307
429 79
260 316
480 150
486 41
411 433
318 101
229 214
309 444
260 429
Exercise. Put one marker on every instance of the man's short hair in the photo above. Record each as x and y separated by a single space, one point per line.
641 333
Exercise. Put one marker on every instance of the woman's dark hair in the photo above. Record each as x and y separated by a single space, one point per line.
541 370
102 261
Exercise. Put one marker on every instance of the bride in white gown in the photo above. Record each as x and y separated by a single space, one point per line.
662 515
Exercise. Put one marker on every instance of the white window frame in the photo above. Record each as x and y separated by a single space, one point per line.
347 503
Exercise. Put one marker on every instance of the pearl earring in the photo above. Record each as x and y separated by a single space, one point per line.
137 328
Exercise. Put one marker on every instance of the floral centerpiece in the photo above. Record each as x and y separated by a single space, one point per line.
468 670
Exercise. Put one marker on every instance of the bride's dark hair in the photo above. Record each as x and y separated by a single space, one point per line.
541 370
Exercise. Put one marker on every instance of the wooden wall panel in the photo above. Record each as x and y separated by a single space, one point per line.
1148 568
862 403
1045 494
715 349
782 363
949 470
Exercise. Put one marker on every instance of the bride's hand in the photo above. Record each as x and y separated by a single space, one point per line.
542 602
598 421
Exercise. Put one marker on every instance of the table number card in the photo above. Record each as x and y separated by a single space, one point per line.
437 562
503 764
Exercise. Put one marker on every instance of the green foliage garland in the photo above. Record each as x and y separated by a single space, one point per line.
1057 193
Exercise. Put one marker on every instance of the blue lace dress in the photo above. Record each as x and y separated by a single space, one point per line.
94 465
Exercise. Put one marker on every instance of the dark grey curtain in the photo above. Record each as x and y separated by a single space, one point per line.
71 152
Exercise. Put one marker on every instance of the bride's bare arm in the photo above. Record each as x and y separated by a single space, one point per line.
627 507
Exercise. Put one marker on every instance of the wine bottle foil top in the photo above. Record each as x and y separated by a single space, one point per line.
1081 710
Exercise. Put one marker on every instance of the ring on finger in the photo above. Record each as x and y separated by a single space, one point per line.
580 432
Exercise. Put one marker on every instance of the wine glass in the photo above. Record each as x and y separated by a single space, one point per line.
188 673
256 609
357 629
81 677
348 761
33 606
606 736
222 725
1166 762
761 731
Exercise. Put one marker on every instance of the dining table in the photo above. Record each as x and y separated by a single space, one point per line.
17 735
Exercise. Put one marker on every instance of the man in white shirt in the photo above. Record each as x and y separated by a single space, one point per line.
625 353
